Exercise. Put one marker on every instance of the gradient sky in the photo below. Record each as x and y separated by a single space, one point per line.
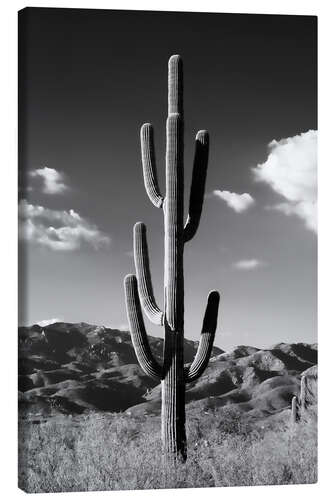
88 80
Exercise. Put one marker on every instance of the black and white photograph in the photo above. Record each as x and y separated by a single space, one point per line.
167 243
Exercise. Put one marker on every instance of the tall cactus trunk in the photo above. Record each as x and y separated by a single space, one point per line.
173 375
173 399
173 385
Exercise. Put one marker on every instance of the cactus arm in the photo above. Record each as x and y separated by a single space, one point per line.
138 331
149 165
201 359
198 184
141 260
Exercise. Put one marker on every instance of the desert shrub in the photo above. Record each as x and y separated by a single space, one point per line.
116 452
211 426
282 456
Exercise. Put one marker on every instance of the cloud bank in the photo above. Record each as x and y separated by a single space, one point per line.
238 202
248 264
53 181
58 230
291 171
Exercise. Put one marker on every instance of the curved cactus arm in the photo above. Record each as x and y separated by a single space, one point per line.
201 359
141 260
138 331
198 184
149 165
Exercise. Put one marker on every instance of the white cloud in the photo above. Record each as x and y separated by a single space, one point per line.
291 171
238 202
46 322
59 230
248 264
53 181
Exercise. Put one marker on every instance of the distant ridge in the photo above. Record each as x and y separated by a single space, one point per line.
71 368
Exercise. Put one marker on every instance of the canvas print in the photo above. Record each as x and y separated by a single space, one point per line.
167 250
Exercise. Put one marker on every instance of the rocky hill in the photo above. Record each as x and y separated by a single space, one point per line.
69 368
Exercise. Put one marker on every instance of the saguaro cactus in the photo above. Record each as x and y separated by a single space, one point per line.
302 395
294 416
138 288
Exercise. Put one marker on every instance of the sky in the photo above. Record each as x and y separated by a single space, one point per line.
88 80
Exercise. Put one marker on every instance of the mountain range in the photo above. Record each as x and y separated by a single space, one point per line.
67 368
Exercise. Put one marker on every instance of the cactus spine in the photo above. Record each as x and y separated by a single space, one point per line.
138 288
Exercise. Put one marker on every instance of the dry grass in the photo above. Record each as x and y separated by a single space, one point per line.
117 452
